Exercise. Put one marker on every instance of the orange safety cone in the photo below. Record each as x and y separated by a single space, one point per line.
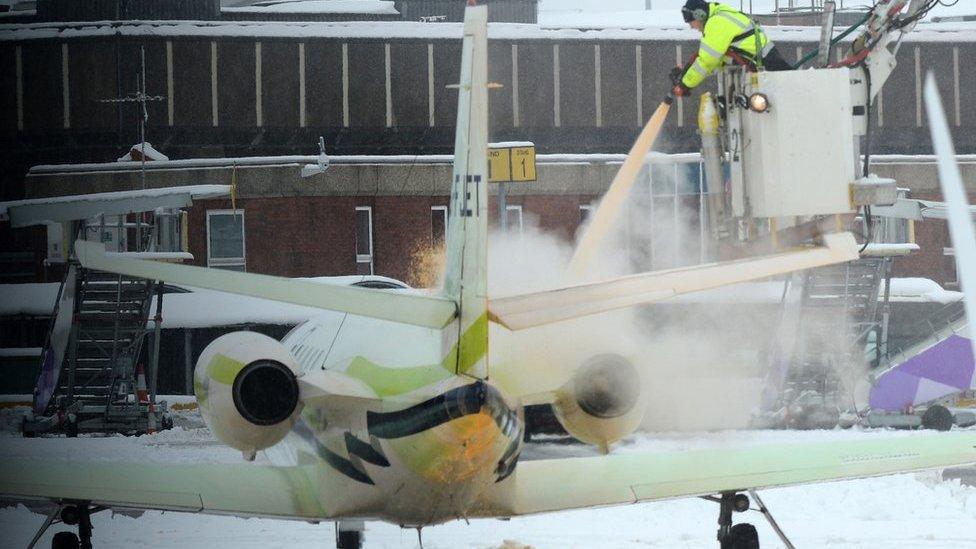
151 429
141 391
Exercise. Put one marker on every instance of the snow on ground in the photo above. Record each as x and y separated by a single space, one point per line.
901 511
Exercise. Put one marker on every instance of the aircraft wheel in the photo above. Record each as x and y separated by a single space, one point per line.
937 417
742 536
65 540
349 539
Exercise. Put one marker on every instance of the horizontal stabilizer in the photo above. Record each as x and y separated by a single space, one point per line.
418 310
528 310
557 484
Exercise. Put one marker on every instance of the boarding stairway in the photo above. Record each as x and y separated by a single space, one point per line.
99 375
838 303
102 381
851 287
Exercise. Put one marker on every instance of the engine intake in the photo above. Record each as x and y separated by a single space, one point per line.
265 392
247 390
601 403
606 386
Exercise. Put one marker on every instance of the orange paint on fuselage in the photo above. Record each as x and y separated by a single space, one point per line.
454 452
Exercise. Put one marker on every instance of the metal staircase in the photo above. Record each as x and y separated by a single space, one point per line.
89 366
850 291
108 330
98 381
838 308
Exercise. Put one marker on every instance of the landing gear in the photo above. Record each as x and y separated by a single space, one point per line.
65 540
349 534
72 514
742 535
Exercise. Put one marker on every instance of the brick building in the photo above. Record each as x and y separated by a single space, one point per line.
383 215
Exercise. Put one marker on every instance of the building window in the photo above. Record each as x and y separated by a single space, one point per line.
952 273
438 226
364 240
514 218
225 240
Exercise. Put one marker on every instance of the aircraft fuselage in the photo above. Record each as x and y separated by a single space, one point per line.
421 451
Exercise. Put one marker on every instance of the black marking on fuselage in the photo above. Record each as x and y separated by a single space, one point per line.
453 404
365 451
337 462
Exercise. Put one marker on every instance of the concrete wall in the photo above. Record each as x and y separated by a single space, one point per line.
595 98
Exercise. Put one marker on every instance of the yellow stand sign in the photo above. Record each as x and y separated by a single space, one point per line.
511 162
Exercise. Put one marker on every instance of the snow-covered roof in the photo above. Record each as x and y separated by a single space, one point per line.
298 160
920 290
366 7
942 32
669 10
137 151
28 299
37 211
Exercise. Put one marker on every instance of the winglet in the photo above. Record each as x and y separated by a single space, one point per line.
417 310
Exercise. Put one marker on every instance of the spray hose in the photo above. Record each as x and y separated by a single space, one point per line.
803 60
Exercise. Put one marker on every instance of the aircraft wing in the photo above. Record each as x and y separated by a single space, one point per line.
244 489
559 484
525 311
418 310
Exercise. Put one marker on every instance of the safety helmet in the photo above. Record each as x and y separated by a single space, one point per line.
695 10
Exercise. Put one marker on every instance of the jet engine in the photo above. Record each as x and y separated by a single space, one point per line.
247 391
601 403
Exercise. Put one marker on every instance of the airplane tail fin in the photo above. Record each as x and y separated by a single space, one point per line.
954 193
465 279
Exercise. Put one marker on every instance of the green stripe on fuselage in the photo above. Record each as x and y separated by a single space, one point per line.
394 381
397 381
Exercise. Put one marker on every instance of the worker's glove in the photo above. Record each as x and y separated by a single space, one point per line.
675 75
680 90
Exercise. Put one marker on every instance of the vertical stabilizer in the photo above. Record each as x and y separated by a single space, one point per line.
466 261
954 193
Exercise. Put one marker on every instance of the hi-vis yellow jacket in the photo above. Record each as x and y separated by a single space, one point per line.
725 29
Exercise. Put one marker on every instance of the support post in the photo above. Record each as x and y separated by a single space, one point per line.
47 524
503 206
826 33
725 516
84 526
769 517
157 335
188 359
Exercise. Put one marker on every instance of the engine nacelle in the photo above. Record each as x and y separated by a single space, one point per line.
601 404
247 390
